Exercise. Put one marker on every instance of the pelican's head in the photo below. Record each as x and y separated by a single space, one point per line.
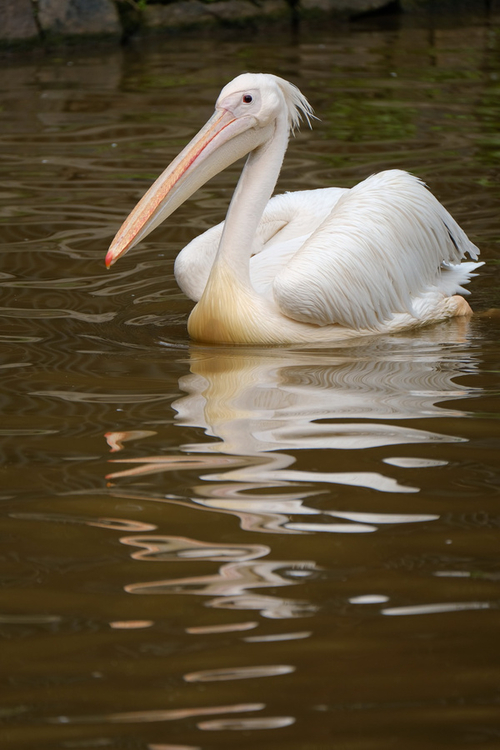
245 117
264 97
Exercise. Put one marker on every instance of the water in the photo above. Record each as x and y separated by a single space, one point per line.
207 547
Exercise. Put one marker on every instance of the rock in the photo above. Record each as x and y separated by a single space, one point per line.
193 12
17 21
79 17
275 8
344 7
234 10
176 15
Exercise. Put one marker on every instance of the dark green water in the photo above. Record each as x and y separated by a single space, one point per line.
216 548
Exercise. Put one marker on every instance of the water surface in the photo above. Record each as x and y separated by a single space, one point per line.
207 547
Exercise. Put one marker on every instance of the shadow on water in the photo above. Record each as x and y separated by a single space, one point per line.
202 546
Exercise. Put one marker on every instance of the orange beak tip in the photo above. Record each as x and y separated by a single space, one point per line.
109 260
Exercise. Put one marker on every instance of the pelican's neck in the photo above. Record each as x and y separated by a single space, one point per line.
253 191
230 311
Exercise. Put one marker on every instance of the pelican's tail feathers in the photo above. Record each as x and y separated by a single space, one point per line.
453 277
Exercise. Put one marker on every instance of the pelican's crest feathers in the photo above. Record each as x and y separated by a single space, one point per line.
298 107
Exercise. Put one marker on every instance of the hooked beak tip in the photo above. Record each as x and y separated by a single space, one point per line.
109 260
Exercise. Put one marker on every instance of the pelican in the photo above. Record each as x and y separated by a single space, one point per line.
309 266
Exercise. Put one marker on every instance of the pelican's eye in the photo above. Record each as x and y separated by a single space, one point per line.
247 98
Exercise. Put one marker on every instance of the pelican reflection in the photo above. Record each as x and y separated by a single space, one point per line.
268 404
259 408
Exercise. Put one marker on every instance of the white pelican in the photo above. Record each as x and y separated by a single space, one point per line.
310 266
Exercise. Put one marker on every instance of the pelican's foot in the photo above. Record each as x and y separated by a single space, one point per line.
459 306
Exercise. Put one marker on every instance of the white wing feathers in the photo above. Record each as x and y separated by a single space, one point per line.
288 220
352 257
383 244
194 262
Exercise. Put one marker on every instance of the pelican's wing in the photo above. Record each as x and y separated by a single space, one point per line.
383 244
288 220
193 264
286 225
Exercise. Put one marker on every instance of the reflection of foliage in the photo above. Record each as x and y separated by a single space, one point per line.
159 81
488 141
453 75
137 4
358 120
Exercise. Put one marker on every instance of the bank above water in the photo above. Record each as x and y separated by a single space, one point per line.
32 23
